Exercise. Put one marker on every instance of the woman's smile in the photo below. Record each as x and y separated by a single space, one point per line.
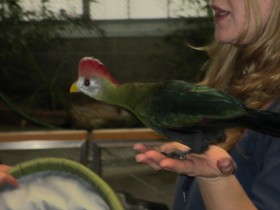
219 14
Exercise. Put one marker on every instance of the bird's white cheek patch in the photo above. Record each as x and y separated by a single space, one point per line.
80 83
91 90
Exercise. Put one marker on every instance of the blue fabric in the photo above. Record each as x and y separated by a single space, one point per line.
258 169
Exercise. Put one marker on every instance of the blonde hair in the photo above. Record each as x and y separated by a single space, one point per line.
250 72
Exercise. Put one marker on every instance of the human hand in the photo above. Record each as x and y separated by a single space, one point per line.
5 177
212 164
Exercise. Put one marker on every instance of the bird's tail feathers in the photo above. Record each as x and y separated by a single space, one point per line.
263 121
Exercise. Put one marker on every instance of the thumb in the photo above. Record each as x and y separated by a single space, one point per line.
227 166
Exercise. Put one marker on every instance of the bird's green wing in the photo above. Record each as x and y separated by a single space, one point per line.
180 104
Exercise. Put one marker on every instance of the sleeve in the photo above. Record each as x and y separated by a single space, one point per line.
181 189
265 189
187 195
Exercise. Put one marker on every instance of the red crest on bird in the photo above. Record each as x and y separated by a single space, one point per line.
90 67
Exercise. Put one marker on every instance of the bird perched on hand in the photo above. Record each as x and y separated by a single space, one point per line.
191 114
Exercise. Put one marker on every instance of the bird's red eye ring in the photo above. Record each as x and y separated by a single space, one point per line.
86 82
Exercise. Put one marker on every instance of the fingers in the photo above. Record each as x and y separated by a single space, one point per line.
141 147
178 166
226 166
7 178
173 146
150 157
156 160
166 148
4 168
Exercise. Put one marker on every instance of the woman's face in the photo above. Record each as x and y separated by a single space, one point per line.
229 19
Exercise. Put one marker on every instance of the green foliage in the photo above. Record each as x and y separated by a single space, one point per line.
25 36
185 62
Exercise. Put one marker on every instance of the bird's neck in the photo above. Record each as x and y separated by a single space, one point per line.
112 93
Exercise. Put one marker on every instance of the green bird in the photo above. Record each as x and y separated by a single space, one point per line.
191 114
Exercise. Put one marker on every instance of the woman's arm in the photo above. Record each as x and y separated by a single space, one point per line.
224 193
213 170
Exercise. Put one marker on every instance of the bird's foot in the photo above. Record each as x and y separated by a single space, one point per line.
177 155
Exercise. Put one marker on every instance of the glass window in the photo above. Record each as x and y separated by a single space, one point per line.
119 9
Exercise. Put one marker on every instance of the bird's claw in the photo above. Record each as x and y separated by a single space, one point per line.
177 155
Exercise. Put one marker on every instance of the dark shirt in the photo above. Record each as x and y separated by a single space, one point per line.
258 170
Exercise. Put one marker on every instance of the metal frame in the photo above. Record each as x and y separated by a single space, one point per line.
98 145
47 144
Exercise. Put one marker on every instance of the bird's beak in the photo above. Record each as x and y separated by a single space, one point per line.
74 88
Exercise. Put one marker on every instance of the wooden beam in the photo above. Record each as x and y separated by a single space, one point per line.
126 134
44 135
